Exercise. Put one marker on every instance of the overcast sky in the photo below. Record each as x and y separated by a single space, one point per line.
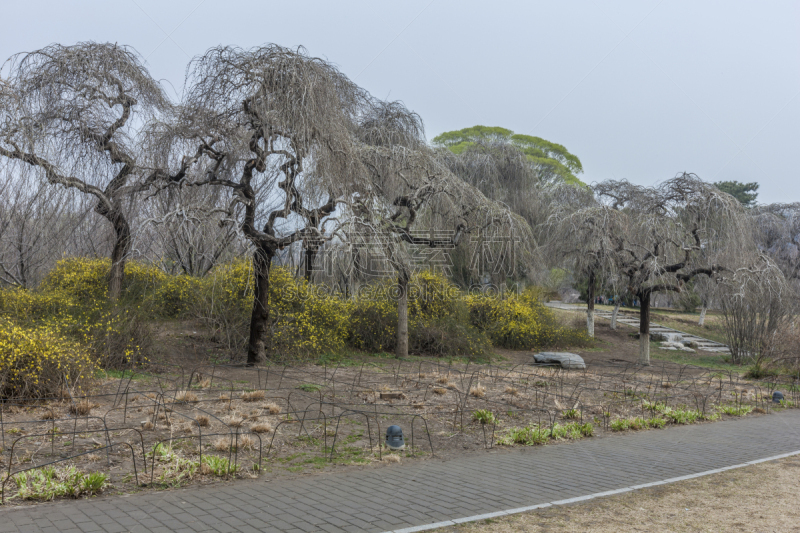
639 90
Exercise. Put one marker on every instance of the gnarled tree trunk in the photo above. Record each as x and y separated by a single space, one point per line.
401 350
122 247
644 328
590 305
256 346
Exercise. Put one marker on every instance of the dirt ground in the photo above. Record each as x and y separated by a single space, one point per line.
180 420
758 498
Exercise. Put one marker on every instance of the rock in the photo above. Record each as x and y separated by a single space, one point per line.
392 396
777 396
567 360
665 345
667 336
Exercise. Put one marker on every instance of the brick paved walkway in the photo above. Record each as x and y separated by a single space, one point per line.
398 496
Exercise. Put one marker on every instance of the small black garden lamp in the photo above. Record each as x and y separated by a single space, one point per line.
394 438
777 397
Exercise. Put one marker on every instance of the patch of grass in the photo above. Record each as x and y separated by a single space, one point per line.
637 423
309 387
621 424
534 434
714 362
313 441
681 416
484 416
218 466
570 414
49 482
757 371
735 410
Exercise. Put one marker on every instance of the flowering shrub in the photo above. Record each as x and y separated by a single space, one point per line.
303 319
520 321
37 362
438 321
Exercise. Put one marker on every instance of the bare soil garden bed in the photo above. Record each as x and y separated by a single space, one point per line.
187 422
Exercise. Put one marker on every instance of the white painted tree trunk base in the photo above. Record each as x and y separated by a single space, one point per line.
644 349
614 315
590 322
702 316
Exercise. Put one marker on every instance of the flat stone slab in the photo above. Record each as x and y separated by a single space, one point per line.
568 360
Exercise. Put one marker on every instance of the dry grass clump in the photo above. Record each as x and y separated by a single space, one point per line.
478 391
49 414
147 425
202 421
422 375
203 382
234 420
759 410
222 444
443 380
224 397
666 385
272 408
261 427
391 458
186 396
253 396
440 391
80 408
419 406
513 391
246 442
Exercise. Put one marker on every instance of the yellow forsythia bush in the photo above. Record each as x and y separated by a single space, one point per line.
304 319
85 281
520 321
38 361
438 322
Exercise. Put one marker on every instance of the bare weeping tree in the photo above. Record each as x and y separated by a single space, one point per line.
583 235
270 119
36 219
73 114
778 235
187 231
413 202
679 230
758 305
503 173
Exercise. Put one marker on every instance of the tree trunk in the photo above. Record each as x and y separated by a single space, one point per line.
311 254
703 310
644 328
256 346
614 315
590 306
122 246
401 349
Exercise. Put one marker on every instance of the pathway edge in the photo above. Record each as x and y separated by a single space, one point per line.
475 518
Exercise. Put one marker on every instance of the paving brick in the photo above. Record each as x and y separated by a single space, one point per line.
426 492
